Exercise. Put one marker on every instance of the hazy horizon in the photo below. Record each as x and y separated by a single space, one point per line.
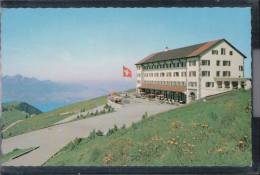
47 95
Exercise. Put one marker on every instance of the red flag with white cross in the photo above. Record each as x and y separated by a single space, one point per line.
127 72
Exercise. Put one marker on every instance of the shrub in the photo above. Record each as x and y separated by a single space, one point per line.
77 141
112 131
123 127
145 116
134 125
92 134
99 133
96 113
115 128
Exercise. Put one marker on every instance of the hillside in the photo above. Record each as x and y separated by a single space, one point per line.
14 111
47 119
20 106
215 132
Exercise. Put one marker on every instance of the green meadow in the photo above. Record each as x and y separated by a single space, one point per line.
10 117
47 119
214 132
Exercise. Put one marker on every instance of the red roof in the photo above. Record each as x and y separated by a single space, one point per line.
184 52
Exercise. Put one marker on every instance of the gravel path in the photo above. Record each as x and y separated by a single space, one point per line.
52 139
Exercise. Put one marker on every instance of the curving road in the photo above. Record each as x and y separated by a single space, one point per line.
52 139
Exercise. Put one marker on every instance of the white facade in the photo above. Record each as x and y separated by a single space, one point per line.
236 60
219 69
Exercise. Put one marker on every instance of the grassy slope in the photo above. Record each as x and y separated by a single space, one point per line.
10 117
202 133
14 153
46 119
14 111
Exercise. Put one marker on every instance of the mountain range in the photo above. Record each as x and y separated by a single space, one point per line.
47 95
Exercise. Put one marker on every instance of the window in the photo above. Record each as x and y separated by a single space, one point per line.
223 51
183 74
192 84
173 65
178 64
227 84
226 63
205 73
231 52
162 74
214 52
205 62
217 73
192 73
156 74
176 74
218 63
219 83
241 68
209 84
168 74
192 63
226 73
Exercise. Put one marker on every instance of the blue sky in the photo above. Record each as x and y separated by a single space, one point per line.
93 44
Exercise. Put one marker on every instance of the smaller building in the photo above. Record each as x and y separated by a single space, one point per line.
193 72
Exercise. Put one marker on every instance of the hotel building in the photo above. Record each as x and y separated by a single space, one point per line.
192 72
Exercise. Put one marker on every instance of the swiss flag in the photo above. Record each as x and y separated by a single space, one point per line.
127 72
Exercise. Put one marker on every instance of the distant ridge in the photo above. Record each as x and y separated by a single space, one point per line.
21 106
48 95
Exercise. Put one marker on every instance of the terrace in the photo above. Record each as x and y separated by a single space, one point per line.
166 93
